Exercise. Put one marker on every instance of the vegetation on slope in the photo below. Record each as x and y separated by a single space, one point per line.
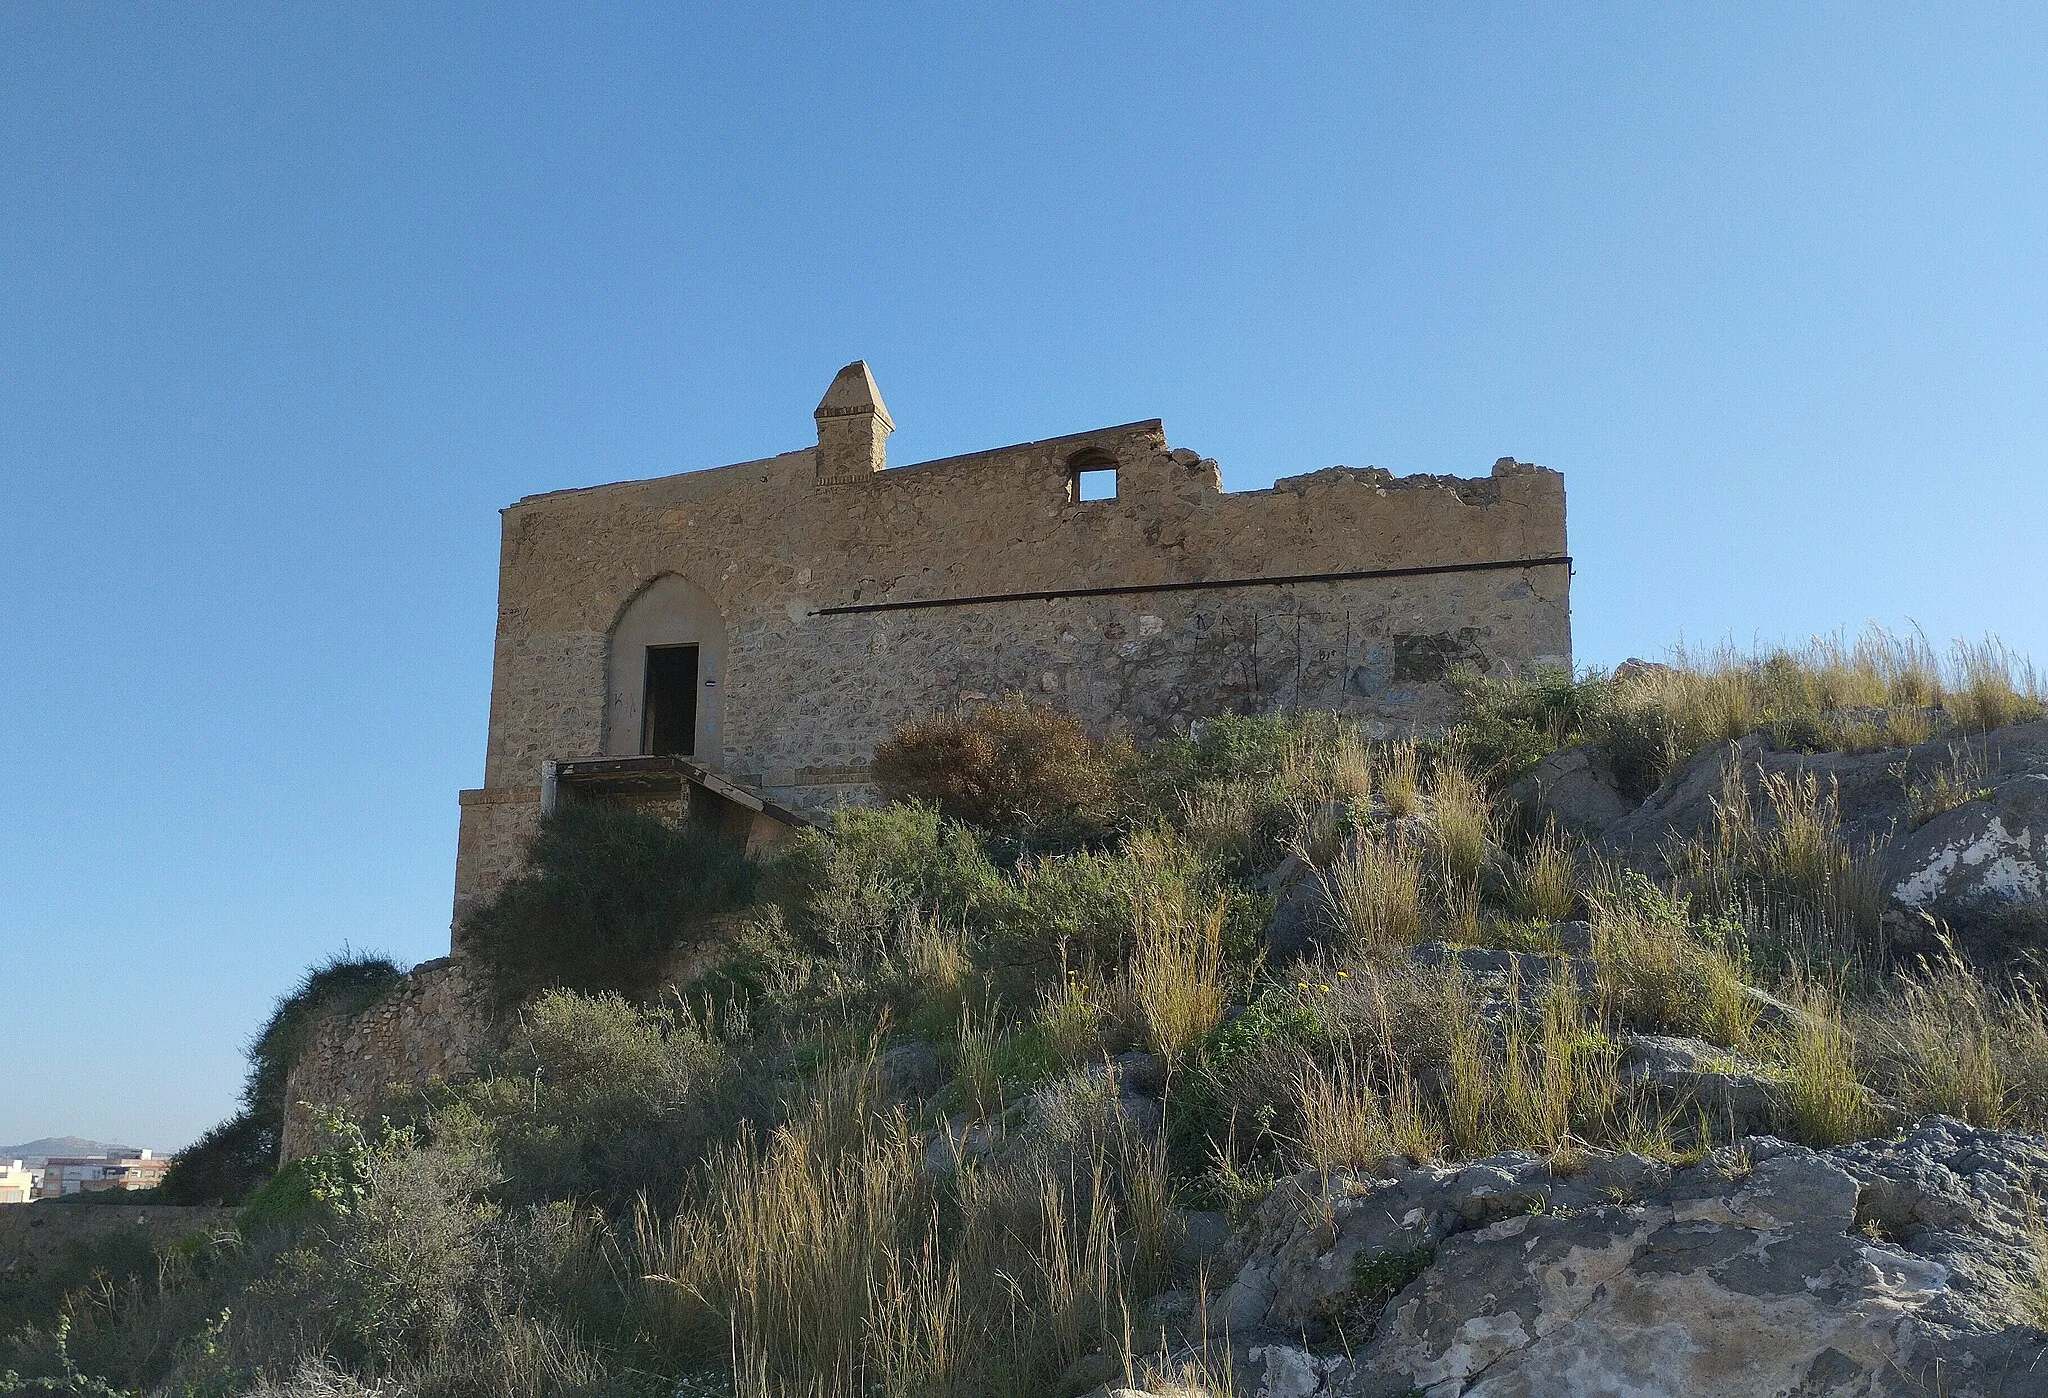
728 1186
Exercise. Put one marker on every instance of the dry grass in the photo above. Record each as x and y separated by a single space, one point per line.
1221 820
2030 1287
1655 973
1823 1103
1544 880
1072 1020
1351 770
977 1060
1375 893
1943 1039
1174 982
1882 690
1789 849
936 966
1946 787
1398 775
1420 1071
839 1268
1990 687
1557 1075
1326 760
1202 1375
1348 1122
1461 818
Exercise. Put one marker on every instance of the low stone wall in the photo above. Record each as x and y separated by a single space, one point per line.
431 1027
52 1246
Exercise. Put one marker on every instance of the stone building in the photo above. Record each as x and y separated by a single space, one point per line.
744 636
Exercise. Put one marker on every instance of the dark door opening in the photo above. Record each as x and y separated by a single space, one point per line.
668 723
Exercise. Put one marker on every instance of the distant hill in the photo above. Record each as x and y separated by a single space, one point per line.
36 1152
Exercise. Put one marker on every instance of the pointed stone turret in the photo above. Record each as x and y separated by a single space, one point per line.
853 426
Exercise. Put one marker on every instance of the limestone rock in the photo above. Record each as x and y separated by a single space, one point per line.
1577 788
1686 1077
1526 976
909 1072
963 1139
1573 938
1982 857
1301 910
1870 791
1633 669
1199 1234
1888 1267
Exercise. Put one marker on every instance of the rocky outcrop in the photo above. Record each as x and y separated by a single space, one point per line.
1978 868
1577 788
1987 856
1905 1266
1870 788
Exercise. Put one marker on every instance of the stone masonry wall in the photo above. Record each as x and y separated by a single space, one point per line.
430 1027
809 687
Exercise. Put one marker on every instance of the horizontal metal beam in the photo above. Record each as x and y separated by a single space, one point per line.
1356 574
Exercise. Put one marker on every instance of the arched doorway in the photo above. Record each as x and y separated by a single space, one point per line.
663 677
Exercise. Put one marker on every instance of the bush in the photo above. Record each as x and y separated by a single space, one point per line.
875 867
607 894
595 1099
344 984
224 1166
1510 726
1026 773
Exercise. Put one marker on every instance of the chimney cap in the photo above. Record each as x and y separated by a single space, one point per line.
853 393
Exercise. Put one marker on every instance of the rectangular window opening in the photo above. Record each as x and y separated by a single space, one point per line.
1094 484
668 721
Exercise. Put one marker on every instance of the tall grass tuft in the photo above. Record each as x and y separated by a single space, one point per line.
1960 781
1790 850
1991 686
1374 891
833 1264
1399 778
1656 971
1544 879
1174 981
1823 1102
1558 1075
1349 1122
1944 1039
1461 816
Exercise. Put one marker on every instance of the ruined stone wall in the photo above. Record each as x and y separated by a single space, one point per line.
430 1027
812 678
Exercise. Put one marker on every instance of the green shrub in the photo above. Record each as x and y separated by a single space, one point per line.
1511 725
233 1158
593 1098
608 892
1219 749
1019 770
223 1166
875 867
344 984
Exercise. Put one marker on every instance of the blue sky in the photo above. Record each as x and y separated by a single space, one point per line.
294 298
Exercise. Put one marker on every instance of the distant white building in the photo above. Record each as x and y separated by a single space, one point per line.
18 1183
87 1174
